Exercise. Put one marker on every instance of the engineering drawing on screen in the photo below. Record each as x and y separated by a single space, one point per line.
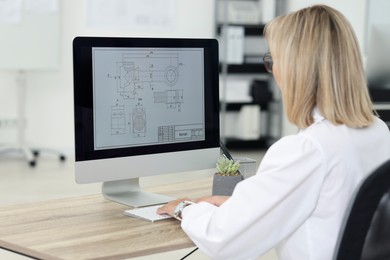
147 96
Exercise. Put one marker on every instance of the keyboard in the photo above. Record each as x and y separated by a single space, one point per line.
146 213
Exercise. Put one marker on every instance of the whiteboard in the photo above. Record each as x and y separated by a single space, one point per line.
32 44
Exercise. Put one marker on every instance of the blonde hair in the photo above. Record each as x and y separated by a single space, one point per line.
320 65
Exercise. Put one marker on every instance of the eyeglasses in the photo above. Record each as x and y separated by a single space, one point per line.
268 62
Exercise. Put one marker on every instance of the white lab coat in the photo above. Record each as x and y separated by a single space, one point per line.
296 201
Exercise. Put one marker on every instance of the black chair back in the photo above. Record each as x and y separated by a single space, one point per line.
365 234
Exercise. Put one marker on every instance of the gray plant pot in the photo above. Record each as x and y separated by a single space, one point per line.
224 185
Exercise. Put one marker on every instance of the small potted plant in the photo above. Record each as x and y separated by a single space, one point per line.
227 177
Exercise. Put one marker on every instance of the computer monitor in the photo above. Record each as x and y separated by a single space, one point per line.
143 106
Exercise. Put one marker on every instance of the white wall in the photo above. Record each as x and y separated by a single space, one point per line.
49 101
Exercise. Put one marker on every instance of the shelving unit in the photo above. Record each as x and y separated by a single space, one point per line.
252 69
247 68
249 29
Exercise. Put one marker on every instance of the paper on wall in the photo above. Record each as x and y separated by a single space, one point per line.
41 6
11 11
155 15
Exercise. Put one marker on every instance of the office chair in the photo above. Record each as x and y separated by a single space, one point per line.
21 147
30 154
365 234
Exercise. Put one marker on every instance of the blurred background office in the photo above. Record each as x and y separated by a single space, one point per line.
36 74
48 103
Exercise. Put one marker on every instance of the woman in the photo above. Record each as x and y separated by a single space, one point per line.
298 197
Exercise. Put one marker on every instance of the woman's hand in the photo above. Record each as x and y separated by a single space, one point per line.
215 200
170 207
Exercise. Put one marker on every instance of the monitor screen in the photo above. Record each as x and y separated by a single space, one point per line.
144 106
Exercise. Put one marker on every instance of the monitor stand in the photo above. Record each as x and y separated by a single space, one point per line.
128 192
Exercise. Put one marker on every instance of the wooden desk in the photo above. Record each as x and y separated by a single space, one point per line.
91 227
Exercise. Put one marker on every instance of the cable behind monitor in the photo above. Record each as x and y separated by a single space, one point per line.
225 151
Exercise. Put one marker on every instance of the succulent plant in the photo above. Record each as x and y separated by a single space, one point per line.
227 167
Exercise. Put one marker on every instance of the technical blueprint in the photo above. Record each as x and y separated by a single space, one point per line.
147 96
